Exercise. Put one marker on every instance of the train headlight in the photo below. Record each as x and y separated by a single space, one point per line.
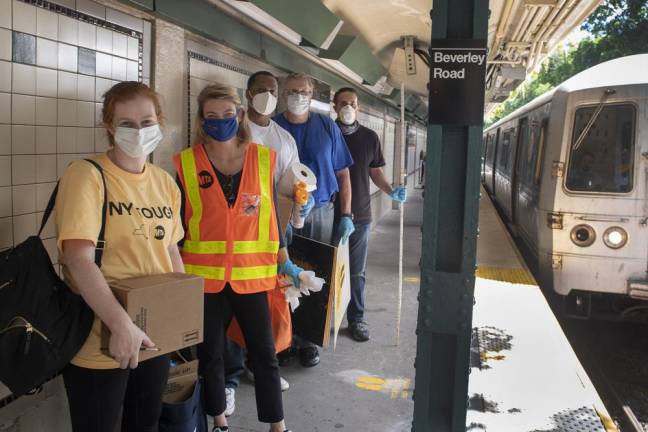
615 237
583 235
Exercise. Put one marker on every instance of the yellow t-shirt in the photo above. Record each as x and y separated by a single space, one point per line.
143 219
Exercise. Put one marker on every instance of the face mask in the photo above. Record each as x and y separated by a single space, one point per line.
348 115
221 129
138 142
298 104
264 103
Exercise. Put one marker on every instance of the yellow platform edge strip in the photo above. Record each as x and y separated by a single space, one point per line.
503 274
607 422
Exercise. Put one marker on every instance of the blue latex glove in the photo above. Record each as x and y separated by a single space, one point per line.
306 208
399 194
289 234
288 268
345 229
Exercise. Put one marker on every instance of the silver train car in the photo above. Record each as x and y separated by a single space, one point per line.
569 174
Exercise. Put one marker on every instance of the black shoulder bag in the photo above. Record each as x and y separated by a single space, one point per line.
43 324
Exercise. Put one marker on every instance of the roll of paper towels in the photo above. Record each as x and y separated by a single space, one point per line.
297 172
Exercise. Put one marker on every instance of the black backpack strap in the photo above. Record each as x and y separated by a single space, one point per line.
101 239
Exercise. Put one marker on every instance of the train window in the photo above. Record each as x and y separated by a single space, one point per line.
540 153
602 160
504 153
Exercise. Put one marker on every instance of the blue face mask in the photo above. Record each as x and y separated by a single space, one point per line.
221 129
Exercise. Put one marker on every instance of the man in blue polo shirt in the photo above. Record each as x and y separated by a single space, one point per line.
322 148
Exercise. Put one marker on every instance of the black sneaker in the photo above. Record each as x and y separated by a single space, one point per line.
309 356
359 331
286 357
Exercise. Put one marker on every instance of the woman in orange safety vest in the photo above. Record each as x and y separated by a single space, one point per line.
232 239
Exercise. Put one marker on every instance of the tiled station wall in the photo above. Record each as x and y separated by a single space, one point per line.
56 62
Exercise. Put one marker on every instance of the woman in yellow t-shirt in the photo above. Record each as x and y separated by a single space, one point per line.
142 231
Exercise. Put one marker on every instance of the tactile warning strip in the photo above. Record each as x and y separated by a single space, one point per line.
511 275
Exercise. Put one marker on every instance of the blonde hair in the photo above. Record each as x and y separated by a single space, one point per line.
218 91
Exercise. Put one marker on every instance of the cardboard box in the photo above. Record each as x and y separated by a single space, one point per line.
181 382
167 307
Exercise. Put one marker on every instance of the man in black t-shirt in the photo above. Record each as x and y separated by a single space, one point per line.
364 145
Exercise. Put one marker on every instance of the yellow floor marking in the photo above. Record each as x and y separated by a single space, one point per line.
412 279
394 387
511 275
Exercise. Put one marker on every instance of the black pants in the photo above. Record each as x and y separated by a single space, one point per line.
96 396
253 315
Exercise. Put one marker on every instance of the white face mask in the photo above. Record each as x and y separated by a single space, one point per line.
264 103
348 115
138 142
298 104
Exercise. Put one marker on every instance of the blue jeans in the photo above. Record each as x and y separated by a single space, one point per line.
357 262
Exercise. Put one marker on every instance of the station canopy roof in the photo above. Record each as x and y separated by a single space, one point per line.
364 38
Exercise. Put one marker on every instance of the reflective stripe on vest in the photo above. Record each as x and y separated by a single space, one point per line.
258 272
207 272
191 180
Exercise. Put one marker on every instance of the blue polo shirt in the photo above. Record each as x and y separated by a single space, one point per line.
321 148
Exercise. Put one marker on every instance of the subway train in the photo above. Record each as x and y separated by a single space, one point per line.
569 174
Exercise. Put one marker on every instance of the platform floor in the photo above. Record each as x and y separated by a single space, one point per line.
360 387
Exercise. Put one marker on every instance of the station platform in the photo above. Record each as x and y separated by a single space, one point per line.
524 375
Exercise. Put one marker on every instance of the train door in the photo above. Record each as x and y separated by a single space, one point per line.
520 159
496 146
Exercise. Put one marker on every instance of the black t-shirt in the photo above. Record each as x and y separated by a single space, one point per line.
364 146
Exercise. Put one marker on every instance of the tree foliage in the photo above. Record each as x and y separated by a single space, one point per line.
617 28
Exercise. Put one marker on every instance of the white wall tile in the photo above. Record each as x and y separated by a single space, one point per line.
46 82
23 139
5 18
5 201
24 199
120 44
85 140
85 114
119 69
102 86
24 17
133 48
67 85
45 140
63 161
46 53
46 109
5 76
66 140
5 44
68 57
98 114
104 40
24 79
5 108
103 65
101 140
23 109
132 72
47 24
44 190
5 170
86 88
45 168
67 112
6 233
23 227
5 139
87 35
23 169
68 30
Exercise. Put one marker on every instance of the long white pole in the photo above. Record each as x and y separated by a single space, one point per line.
402 214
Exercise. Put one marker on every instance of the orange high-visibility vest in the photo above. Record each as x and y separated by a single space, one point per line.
236 245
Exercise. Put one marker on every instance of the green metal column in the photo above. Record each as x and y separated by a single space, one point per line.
449 245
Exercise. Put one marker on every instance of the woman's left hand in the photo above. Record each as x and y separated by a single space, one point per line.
288 268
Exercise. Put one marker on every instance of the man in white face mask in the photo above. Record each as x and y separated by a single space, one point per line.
364 145
322 148
261 94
